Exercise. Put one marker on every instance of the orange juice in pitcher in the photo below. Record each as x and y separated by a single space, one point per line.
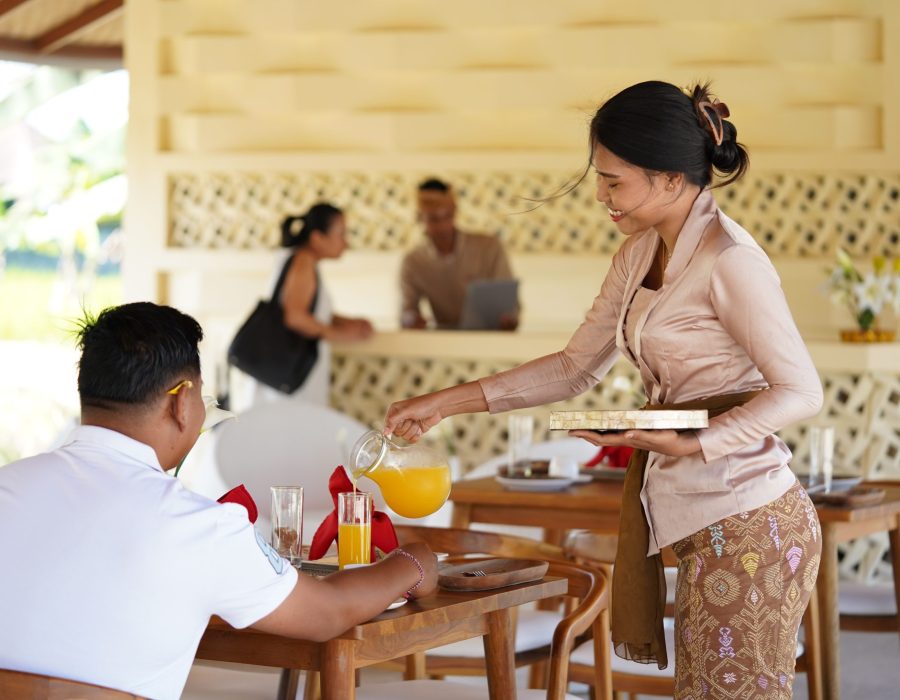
414 480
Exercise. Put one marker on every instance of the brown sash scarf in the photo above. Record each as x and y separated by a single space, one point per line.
639 586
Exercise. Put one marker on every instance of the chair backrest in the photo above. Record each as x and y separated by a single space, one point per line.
588 586
286 443
598 549
591 588
18 685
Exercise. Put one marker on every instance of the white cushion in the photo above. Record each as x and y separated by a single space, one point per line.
438 690
534 630
532 694
671 574
857 598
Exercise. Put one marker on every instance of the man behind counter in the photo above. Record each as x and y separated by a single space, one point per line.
441 268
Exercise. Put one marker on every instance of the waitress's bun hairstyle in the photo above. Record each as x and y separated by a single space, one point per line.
659 127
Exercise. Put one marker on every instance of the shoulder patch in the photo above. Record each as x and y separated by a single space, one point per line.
275 559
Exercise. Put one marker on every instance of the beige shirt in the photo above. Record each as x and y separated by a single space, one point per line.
443 279
718 325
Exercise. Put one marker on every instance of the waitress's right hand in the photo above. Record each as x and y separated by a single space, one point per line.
412 418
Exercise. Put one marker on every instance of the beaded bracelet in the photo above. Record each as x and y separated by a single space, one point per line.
415 561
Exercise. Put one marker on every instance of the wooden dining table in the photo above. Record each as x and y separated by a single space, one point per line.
842 524
440 618
594 505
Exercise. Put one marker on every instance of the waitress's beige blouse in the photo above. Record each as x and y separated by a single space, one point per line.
718 325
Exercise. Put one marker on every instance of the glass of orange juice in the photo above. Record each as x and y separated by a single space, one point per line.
354 528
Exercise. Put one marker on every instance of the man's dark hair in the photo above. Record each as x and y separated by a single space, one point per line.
432 184
135 352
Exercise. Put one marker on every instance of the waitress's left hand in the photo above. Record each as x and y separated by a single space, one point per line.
665 442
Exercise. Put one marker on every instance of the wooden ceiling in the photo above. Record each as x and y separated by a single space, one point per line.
62 31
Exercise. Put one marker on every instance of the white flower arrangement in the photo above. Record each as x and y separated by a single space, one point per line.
866 295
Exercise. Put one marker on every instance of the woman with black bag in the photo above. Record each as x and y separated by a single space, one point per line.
317 235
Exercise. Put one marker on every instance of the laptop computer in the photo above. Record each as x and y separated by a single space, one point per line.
486 302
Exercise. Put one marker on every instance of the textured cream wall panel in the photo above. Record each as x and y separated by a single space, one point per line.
308 131
694 44
355 131
487 129
743 87
263 16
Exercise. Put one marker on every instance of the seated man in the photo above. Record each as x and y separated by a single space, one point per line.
441 267
111 569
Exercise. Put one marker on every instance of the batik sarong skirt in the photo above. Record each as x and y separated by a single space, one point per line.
743 585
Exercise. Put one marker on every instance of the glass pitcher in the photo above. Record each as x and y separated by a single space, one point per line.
414 479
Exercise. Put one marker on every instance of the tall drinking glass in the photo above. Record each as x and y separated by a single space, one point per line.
821 456
354 528
287 521
521 433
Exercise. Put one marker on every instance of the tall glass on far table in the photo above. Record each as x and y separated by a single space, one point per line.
287 522
821 456
354 528
521 434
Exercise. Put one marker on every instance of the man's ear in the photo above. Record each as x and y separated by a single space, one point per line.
179 408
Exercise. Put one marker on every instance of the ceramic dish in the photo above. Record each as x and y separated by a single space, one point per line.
601 472
534 484
841 483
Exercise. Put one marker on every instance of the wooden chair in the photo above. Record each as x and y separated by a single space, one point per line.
865 608
18 685
534 628
586 585
647 679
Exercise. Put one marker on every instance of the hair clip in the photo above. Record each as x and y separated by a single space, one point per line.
717 127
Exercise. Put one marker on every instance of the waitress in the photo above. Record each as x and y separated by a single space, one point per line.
694 303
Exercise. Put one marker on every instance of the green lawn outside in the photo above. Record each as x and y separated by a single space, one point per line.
31 309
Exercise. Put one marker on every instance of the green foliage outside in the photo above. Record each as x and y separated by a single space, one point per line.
32 306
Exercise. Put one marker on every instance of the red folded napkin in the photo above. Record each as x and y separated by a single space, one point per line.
242 496
383 535
612 457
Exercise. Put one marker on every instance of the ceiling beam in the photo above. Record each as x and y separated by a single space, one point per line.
10 5
71 29
105 57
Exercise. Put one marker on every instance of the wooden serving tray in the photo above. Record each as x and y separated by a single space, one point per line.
497 574
628 420
855 497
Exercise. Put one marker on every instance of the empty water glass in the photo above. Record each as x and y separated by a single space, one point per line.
821 456
287 521
521 433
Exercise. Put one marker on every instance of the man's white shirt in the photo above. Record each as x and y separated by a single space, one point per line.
111 569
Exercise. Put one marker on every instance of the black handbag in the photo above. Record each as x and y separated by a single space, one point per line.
269 351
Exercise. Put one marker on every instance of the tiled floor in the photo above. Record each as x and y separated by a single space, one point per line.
870 662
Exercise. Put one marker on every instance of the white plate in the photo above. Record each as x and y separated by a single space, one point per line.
396 604
549 484
838 483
